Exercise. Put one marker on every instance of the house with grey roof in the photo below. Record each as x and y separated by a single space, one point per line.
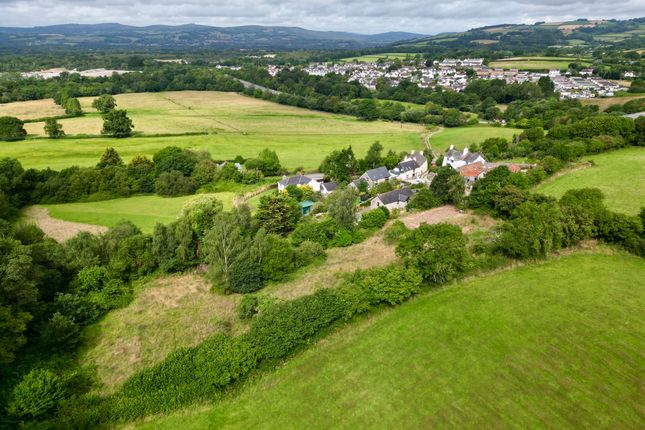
456 159
372 177
327 188
397 199
298 181
413 166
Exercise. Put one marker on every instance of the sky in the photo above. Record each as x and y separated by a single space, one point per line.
360 16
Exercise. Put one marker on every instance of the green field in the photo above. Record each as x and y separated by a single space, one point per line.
232 125
144 211
538 63
554 345
619 174
465 136
375 57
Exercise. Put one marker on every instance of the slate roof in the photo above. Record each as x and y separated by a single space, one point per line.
330 186
405 166
295 180
377 174
402 195
418 157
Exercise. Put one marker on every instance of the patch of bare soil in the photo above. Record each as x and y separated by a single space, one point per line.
57 228
468 221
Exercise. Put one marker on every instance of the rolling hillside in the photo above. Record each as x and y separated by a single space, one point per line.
553 345
190 36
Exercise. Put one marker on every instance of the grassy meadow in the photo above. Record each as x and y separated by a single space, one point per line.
619 174
143 211
538 63
231 124
375 57
465 136
604 102
551 345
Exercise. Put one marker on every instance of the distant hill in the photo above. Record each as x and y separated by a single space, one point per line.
190 36
538 36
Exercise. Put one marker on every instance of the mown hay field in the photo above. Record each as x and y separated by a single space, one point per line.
231 124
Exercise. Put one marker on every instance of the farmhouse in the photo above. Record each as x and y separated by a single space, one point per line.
397 199
473 172
456 159
298 181
413 166
372 177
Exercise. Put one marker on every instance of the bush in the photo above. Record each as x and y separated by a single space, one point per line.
37 395
321 232
174 184
283 327
373 220
437 251
61 333
248 307
307 252
245 277
394 233
11 128
76 307
424 199
391 285
279 260
92 278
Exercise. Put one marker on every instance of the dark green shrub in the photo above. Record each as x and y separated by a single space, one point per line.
321 232
37 395
373 220
308 252
174 184
245 277
77 307
437 251
61 333
282 328
424 199
391 284
279 260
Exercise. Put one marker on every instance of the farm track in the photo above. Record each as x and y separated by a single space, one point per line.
58 229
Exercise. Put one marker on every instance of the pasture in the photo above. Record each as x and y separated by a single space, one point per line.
231 124
619 174
551 345
465 136
604 102
373 58
143 211
538 63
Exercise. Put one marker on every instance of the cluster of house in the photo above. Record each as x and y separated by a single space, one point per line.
411 170
573 87
473 166
448 73
451 74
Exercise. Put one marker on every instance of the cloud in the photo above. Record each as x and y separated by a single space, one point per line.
366 16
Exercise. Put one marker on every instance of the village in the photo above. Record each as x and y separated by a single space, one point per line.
412 173
455 74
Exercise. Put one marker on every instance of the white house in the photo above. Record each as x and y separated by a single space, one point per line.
413 166
456 159
299 181
372 177
327 188
397 199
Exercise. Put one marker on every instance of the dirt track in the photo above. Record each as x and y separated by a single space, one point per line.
56 228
